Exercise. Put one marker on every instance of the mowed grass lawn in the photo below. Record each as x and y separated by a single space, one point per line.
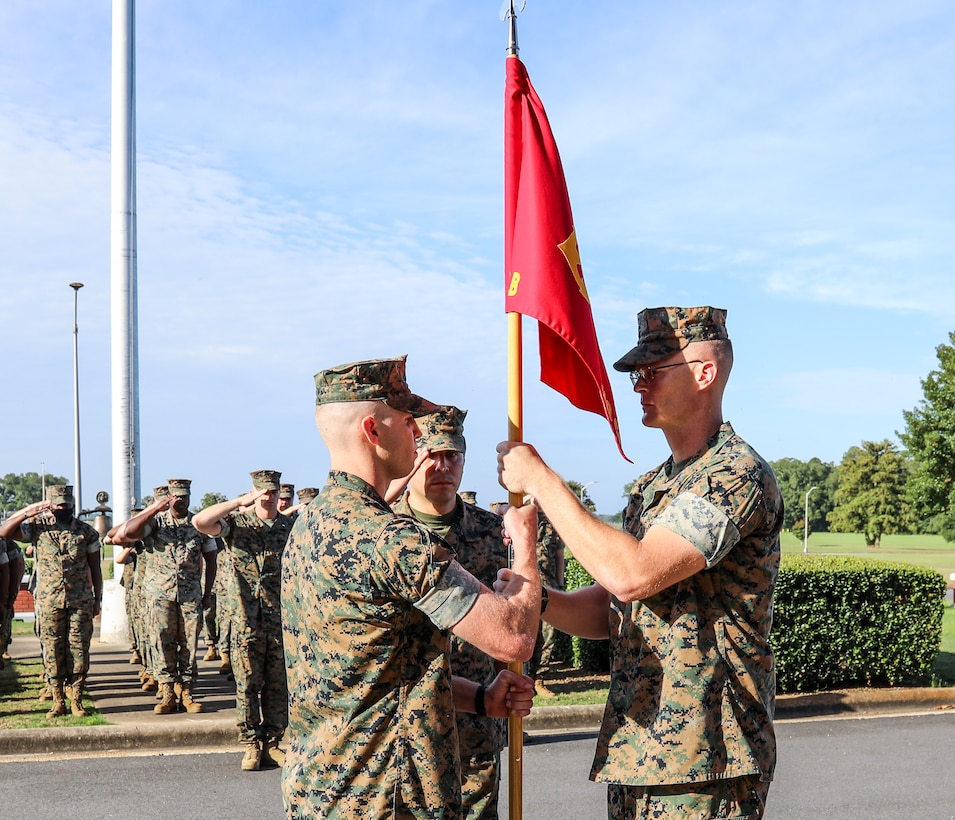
922 550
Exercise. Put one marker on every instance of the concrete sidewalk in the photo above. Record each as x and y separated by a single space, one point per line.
113 685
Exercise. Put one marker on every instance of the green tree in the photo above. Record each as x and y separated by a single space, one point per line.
211 498
18 490
580 491
795 479
929 437
870 497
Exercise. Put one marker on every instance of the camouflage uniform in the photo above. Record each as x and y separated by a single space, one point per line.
550 564
64 594
254 549
6 611
172 590
368 599
226 602
128 582
692 688
475 536
16 563
140 622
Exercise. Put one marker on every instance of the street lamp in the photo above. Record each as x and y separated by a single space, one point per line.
77 481
584 488
805 521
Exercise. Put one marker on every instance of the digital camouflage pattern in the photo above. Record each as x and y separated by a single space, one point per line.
60 560
368 598
371 380
475 536
550 563
254 548
64 598
175 568
226 595
306 494
171 592
692 687
443 430
266 479
13 555
131 598
144 627
664 331
740 798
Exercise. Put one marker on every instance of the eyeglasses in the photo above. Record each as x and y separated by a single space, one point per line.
648 373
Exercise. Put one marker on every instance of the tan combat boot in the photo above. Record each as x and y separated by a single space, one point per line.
167 703
226 666
46 693
75 691
59 702
184 693
252 759
272 756
135 657
212 654
150 684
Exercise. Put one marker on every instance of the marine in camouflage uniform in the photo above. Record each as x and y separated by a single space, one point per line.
368 602
255 540
688 727
131 554
66 553
127 556
180 573
550 561
226 594
5 609
475 536
16 567
286 498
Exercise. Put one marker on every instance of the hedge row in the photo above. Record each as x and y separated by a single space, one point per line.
838 622
842 621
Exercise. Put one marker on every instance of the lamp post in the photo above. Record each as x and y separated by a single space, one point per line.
583 489
77 480
805 521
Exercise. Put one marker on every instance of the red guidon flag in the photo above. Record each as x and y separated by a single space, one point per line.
543 275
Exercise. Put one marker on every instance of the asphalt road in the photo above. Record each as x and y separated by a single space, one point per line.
887 768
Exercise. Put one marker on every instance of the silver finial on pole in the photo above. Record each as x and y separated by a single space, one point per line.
509 12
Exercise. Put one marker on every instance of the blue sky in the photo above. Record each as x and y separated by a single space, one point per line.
322 182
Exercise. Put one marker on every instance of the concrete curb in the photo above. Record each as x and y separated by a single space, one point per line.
221 733
865 702
113 738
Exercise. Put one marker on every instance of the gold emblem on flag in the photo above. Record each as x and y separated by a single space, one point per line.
572 254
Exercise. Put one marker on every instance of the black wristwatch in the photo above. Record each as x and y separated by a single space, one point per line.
545 598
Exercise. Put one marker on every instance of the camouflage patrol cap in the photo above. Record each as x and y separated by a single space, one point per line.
443 430
666 330
306 494
60 494
161 492
468 496
179 486
286 491
371 380
266 479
